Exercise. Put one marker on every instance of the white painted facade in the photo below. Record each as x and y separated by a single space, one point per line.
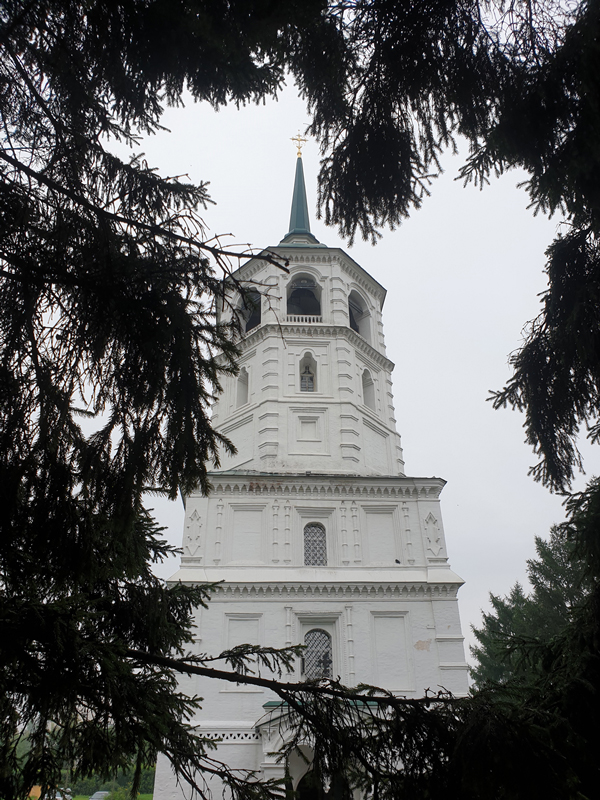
323 457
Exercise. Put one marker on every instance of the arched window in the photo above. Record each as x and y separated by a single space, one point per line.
304 297
359 315
242 388
368 388
251 310
317 661
315 545
308 374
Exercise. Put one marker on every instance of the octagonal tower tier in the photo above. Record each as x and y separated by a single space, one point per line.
314 393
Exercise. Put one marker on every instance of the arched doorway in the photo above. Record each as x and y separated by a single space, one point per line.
311 787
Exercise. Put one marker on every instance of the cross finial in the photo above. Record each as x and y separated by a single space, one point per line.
300 141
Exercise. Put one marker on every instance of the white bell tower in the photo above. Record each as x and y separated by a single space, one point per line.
313 528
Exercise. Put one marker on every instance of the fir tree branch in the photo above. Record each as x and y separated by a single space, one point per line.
156 230
325 688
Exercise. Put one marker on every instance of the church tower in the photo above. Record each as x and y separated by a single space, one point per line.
314 530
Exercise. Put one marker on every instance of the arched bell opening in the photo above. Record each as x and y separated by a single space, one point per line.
359 316
250 310
303 299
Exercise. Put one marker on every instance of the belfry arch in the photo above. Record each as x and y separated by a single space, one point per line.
359 315
250 310
303 297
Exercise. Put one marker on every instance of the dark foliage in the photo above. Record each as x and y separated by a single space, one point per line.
107 359
526 732
549 128
88 786
416 75
107 367
556 381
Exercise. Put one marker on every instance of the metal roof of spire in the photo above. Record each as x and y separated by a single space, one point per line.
299 232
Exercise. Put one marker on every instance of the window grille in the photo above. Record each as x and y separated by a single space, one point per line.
315 545
307 380
317 661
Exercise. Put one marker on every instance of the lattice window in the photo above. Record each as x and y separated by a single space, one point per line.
307 380
315 545
308 374
318 656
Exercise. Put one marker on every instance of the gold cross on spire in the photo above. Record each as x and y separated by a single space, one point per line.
299 141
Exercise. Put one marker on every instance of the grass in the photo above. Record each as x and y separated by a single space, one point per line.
87 797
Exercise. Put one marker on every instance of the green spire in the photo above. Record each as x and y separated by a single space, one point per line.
299 220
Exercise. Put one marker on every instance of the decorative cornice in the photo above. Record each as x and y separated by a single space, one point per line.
230 734
246 272
371 285
334 486
354 591
316 329
305 255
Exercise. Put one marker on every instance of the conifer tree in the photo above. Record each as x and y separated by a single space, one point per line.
108 341
514 633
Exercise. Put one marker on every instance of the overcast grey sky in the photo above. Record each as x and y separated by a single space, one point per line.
463 276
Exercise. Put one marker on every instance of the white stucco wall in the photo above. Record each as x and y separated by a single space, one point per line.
387 596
